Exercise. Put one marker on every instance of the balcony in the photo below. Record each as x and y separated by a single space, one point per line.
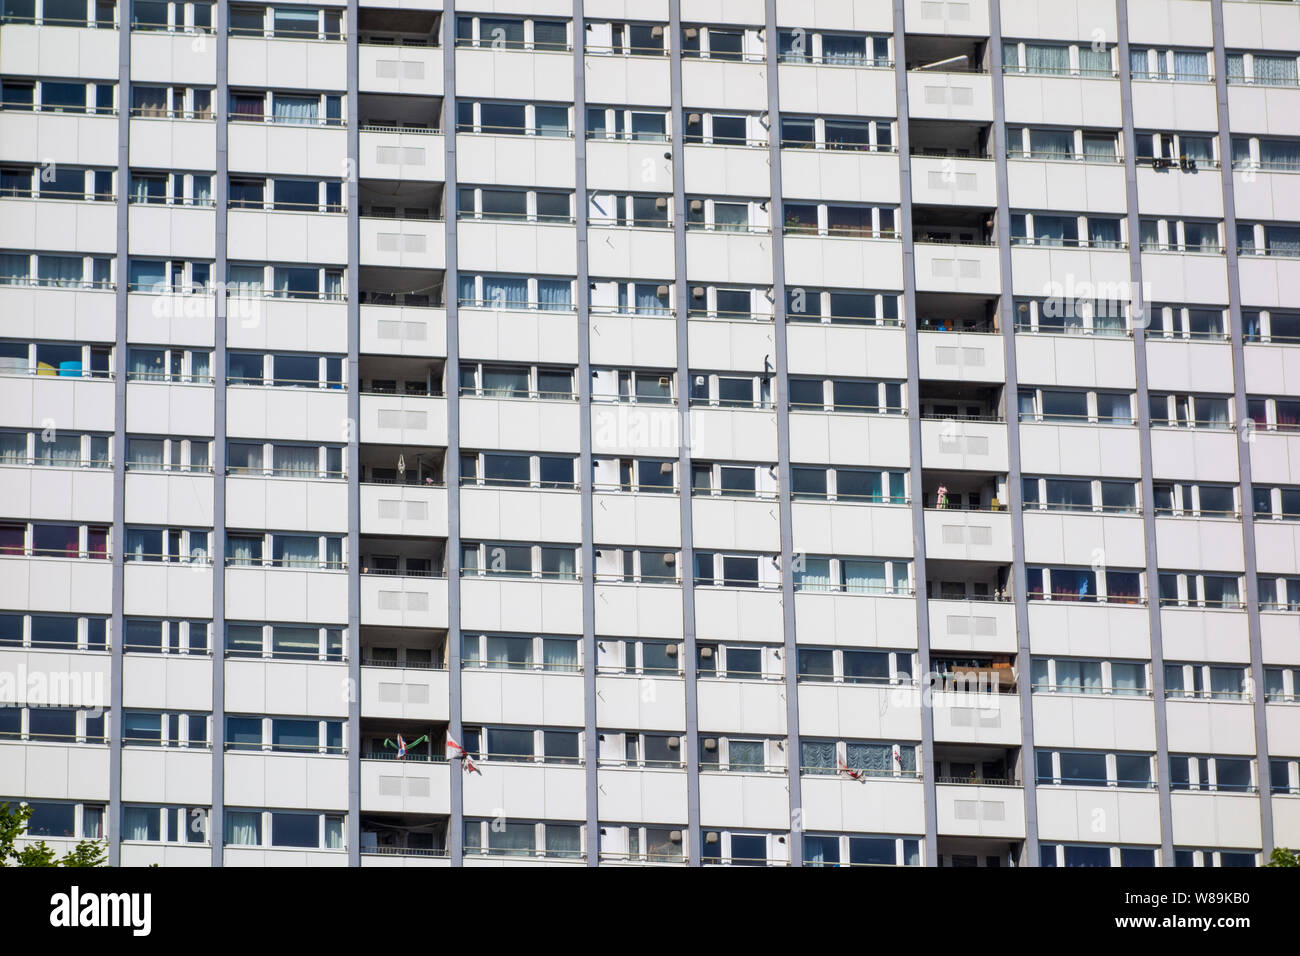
871 805
953 267
416 420
73 138
628 793
167 589
954 181
400 69
407 153
404 330
1080 448
286 503
970 445
745 800
291 414
520 335
172 142
403 243
650 610
499 603
74 494
978 718
980 626
1113 815
290 781
78 315
933 95
76 403
743 706
393 601
277 62
973 810
68 224
286 594
404 509
968 535
961 356
404 693
287 149
313 237
405 786
872 711
56 584
649 702
526 791
167 775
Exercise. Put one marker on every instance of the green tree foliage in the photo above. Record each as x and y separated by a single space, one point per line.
1283 857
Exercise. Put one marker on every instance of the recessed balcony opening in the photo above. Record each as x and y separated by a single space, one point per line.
383 27
425 740
963 491
403 647
391 375
944 54
403 834
968 580
394 199
954 225
979 765
974 673
956 312
403 557
960 401
398 113
384 285
977 853
956 138
399 465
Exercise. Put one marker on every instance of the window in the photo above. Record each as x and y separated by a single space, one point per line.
1084 676
1224 774
1087 768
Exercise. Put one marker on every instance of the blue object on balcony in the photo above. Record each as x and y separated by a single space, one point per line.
72 369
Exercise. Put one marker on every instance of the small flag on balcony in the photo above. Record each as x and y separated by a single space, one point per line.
402 746
456 752
857 775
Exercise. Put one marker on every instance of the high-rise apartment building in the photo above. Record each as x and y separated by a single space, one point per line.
837 432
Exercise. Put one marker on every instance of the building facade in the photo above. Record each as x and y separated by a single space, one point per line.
596 432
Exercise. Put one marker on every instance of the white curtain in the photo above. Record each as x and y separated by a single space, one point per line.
1191 65
1275 70
1047 58
60 451
746 755
844 50
864 576
1095 62
1051 144
1277 153
554 295
243 828
65 271
296 460
505 292
302 110
818 756
816 575
140 823
559 654
241 550
873 758
297 551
